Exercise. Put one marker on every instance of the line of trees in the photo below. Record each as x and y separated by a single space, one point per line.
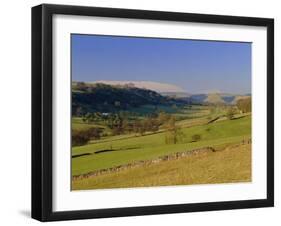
119 124
82 137
122 122
243 105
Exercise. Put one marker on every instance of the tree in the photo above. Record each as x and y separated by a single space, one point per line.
136 126
245 105
174 133
78 138
81 86
163 118
117 125
82 137
230 113
141 129
86 117
154 124
196 137
127 126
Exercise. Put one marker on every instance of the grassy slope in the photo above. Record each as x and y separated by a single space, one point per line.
151 146
78 124
227 166
195 113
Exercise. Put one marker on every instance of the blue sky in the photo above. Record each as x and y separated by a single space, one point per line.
194 65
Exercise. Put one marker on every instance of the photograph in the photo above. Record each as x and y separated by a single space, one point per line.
159 112
145 112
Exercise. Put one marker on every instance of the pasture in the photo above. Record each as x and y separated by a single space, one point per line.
229 165
122 149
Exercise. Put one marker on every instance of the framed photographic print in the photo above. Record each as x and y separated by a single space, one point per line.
145 112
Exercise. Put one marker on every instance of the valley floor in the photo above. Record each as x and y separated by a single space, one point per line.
94 164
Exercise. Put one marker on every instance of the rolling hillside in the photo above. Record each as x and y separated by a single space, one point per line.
114 96
217 98
110 98
134 148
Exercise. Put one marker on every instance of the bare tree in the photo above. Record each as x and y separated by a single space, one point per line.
174 133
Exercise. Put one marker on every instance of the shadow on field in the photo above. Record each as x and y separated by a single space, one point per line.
213 120
79 155
239 117
112 150
104 150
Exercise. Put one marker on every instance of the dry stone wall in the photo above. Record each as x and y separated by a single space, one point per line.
169 157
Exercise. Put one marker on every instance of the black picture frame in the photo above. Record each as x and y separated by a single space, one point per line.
42 111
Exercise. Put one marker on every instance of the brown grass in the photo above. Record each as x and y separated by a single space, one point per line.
233 164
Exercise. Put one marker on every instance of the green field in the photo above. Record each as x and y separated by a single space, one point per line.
77 123
132 147
227 164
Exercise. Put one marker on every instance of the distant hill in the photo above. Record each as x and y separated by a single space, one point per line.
110 98
100 97
217 98
240 97
214 98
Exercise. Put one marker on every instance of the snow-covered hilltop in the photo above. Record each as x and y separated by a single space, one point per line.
155 86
